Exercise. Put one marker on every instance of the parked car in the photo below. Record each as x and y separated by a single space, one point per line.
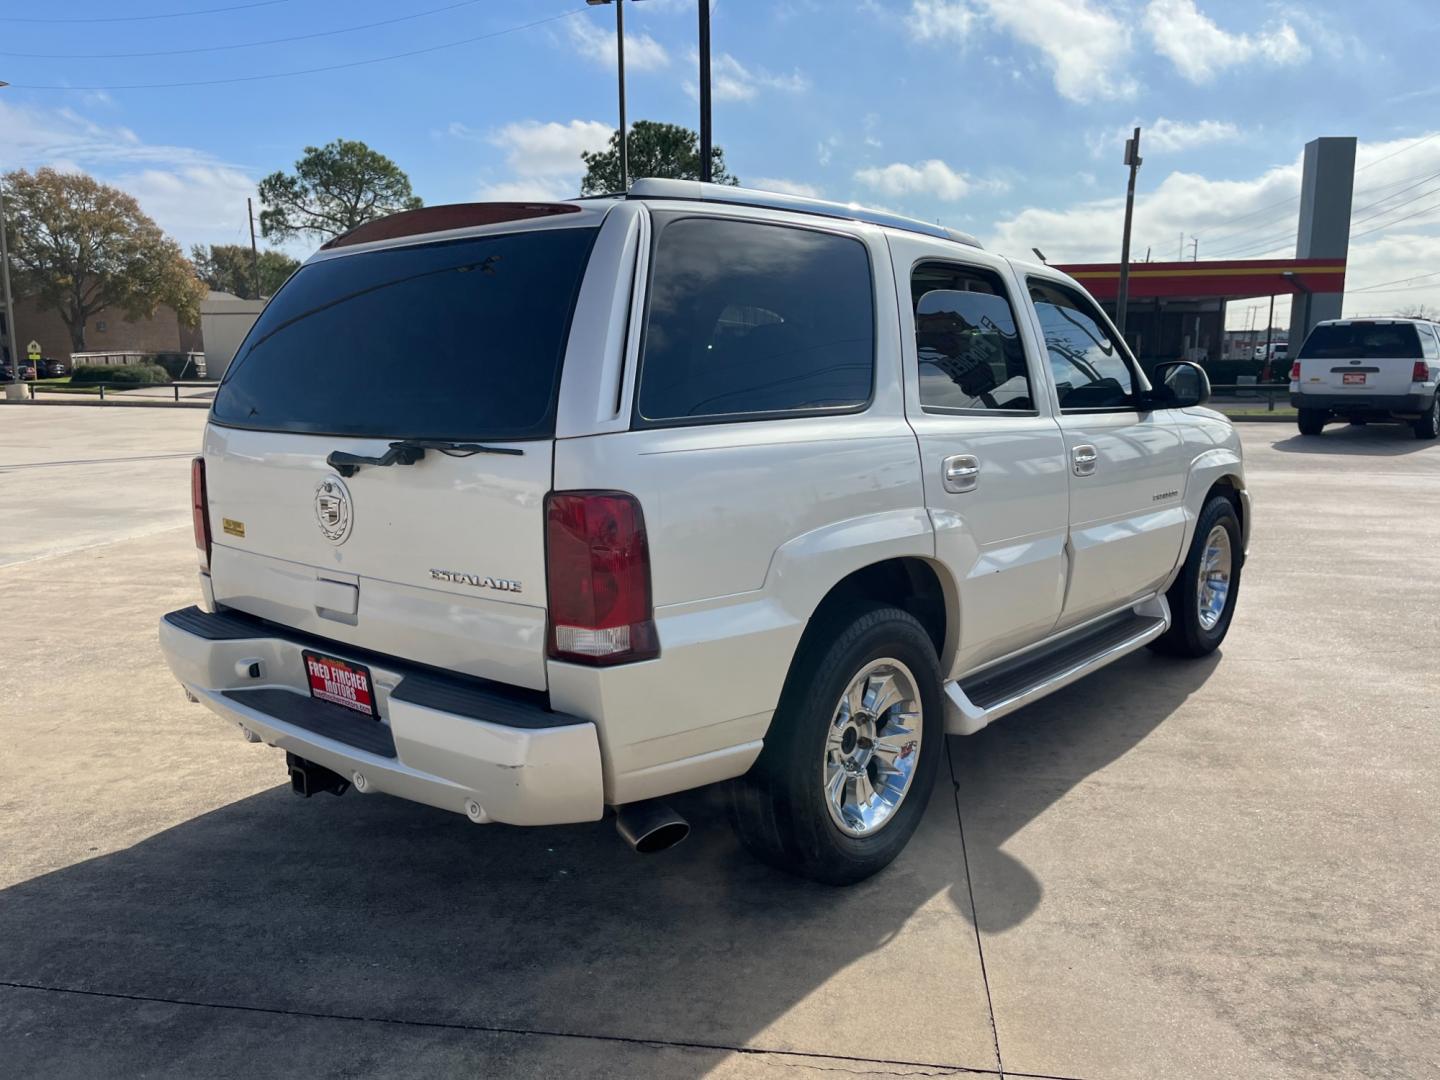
1278 350
737 487
7 371
1368 369
52 369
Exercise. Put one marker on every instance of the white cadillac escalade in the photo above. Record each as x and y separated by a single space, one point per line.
535 511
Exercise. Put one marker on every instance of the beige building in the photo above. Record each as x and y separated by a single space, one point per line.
109 331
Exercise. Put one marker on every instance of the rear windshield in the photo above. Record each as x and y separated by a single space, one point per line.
1362 341
459 340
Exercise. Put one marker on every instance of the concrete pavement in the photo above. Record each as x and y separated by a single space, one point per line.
1221 868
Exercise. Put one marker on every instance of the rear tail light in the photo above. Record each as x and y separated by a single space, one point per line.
200 510
1420 372
1295 371
597 568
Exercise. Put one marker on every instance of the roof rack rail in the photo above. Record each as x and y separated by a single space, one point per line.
695 189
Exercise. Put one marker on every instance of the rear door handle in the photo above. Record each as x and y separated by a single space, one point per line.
1083 458
961 473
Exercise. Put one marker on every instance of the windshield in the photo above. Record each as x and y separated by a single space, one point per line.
457 340
1361 341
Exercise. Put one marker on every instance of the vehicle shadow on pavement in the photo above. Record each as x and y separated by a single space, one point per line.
1371 440
370 907
1013 771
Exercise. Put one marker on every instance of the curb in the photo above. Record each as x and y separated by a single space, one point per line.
115 404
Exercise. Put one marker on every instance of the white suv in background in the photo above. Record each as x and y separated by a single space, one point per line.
532 511
1368 369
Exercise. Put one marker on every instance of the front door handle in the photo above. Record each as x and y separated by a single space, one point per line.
1083 458
961 473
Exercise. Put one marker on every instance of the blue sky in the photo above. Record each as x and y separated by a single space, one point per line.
1003 117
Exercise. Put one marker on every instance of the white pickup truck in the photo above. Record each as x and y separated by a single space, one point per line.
533 512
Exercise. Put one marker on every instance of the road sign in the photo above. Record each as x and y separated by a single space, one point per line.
33 350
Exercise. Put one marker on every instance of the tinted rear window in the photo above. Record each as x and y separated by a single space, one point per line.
750 319
1362 341
460 340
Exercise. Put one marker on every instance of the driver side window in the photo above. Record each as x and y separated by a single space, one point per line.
1090 369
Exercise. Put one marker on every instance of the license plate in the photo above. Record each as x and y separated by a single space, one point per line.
340 683
1353 378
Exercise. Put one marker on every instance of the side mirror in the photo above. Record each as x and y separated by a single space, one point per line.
1179 384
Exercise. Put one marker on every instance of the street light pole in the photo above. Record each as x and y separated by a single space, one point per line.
620 58
1122 299
10 334
705 90
9 300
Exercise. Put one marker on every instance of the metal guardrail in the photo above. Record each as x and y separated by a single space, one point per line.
1269 391
87 389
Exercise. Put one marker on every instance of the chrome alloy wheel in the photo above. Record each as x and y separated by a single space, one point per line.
1212 591
873 747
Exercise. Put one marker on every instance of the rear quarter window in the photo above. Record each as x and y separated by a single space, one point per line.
455 340
752 320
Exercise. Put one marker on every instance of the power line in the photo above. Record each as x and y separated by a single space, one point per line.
1278 240
243 44
1397 281
146 18
1397 153
309 71
1296 198
1425 210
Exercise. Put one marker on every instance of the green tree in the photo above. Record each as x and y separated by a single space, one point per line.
80 247
660 150
231 268
334 188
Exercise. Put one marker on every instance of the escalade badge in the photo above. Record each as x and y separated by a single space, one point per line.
475 580
332 509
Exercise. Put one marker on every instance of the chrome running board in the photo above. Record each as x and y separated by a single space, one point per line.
976 700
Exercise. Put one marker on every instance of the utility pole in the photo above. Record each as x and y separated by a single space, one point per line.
254 251
1122 300
705 90
1182 247
1195 257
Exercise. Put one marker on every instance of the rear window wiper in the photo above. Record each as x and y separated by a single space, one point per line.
409 451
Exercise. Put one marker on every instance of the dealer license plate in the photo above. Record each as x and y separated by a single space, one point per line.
340 683
1353 378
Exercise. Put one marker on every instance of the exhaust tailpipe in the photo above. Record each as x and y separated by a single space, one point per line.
650 826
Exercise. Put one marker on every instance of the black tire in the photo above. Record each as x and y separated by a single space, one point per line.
1312 421
780 808
1187 635
1428 426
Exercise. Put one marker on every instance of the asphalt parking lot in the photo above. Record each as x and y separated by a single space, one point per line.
1215 869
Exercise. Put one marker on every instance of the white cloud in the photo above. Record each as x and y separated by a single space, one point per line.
787 187
941 20
543 159
730 80
192 195
1084 44
1199 48
527 189
642 52
1257 218
550 149
932 178
1165 136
